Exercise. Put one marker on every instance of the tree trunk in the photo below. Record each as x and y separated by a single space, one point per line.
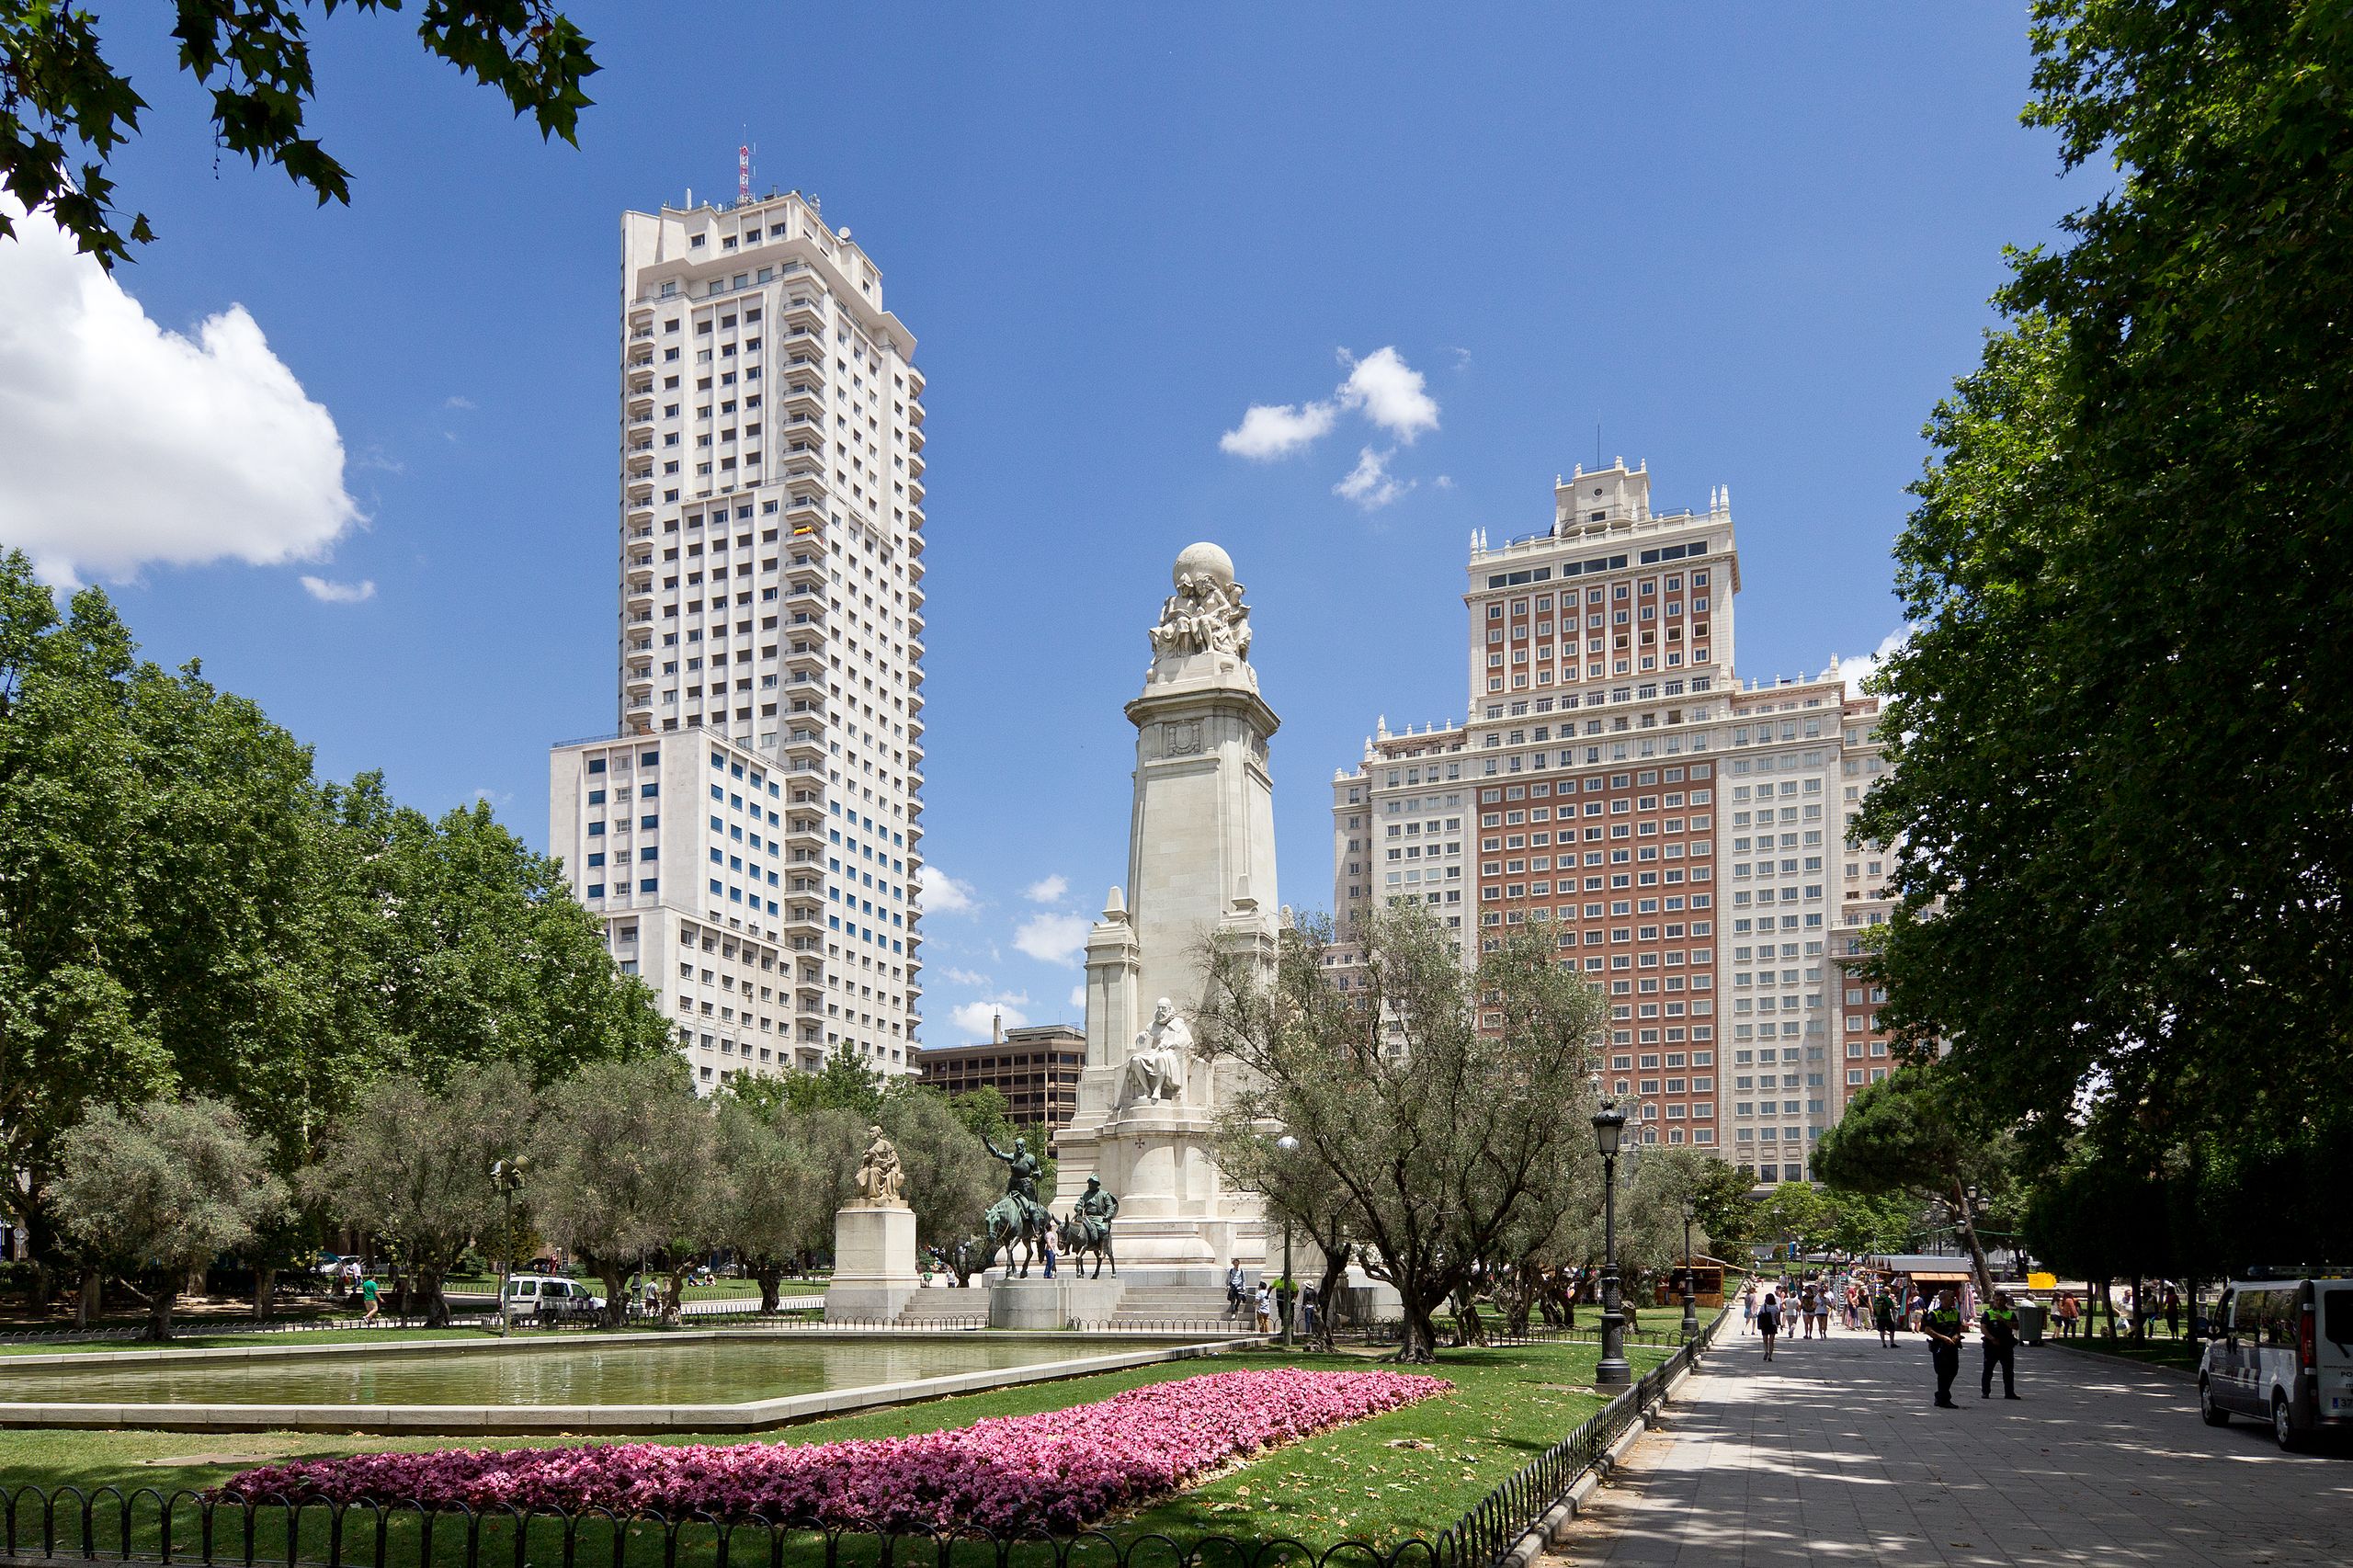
1417 1334
436 1304
265 1282
616 1296
159 1313
1328 1293
87 1303
674 1296
772 1279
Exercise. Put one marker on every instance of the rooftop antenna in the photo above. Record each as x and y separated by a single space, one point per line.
743 172
1597 446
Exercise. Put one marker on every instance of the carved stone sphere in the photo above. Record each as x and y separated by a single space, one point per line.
1204 560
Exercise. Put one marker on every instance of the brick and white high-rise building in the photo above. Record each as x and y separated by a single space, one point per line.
1680 834
769 666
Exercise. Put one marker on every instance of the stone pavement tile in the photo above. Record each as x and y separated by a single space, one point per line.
1831 1457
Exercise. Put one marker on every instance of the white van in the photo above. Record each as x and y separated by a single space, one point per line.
2285 1356
550 1296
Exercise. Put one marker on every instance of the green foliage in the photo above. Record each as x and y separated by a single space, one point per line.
1439 1101
162 1190
1727 1212
767 1202
2122 744
846 1082
410 1165
950 1178
622 1169
188 910
61 101
1921 1133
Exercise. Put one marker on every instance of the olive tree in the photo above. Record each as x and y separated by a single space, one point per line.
769 1199
1440 1100
411 1165
161 1189
622 1170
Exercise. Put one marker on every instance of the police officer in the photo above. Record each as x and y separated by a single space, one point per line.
1999 1323
1944 1327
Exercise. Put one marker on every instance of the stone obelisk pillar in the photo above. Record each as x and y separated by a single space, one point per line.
1201 869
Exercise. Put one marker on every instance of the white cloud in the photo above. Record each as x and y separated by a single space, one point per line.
1047 890
974 1018
965 976
1078 998
459 400
1369 484
1389 394
1443 482
1272 430
125 444
1856 670
943 894
336 593
1052 938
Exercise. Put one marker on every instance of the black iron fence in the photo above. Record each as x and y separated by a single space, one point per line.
146 1524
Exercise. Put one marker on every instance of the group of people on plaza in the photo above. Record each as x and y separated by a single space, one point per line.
1891 1305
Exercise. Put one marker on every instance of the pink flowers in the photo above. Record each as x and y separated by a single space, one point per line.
1062 1469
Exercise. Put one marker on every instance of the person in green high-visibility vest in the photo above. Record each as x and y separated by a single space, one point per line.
1944 1326
1999 1326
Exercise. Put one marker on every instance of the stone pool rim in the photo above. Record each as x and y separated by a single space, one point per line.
585 1420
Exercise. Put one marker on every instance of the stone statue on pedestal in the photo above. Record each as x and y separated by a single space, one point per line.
1156 1069
882 1180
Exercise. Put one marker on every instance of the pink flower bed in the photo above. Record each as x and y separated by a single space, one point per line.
1062 1469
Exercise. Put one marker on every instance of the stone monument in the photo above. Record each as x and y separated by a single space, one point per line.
1201 868
874 1242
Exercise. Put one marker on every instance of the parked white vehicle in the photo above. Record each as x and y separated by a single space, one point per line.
2285 1356
550 1296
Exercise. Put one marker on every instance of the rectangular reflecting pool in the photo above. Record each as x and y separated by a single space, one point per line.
736 1369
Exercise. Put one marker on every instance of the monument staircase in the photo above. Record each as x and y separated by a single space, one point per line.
938 1308
1181 1307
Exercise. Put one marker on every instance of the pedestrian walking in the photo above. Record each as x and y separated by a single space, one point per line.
369 1292
1307 1313
2069 1312
1884 1317
1234 1283
1998 1324
1769 1321
1266 1308
2173 1312
1944 1326
1821 1310
1749 1308
1049 1257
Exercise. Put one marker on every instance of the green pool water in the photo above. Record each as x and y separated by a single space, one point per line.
727 1371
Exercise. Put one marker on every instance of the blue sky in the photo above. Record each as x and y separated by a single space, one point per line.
1752 244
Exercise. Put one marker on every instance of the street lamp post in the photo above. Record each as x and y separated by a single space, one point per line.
508 1177
1284 1293
1690 1295
1612 1370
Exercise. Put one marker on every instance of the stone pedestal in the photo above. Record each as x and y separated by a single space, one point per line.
1050 1305
874 1263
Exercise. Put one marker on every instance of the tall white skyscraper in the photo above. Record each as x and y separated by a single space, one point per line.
770 646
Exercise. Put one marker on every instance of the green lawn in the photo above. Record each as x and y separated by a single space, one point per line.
2155 1351
1410 1472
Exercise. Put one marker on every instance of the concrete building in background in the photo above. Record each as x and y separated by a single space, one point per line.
1679 834
1035 1067
769 664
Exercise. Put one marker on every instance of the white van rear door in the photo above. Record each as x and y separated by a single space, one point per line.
2333 1315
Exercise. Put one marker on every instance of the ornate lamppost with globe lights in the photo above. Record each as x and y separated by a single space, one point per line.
1611 1371
1690 1278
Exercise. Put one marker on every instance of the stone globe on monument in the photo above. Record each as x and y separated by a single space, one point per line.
1201 869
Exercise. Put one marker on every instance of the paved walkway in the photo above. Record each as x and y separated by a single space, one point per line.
1831 1455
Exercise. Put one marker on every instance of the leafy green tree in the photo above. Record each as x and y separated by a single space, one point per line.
1728 1211
2120 794
622 1170
410 1164
768 1197
1918 1132
1433 1097
987 1114
162 1190
61 104
846 1082
950 1179
1320 1214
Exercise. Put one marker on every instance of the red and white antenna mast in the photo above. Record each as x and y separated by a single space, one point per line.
743 173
